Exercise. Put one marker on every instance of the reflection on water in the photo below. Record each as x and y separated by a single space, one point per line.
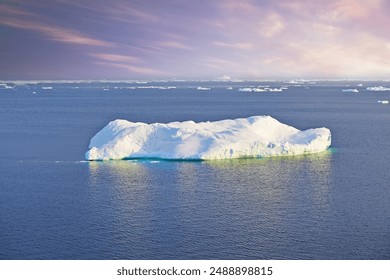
213 209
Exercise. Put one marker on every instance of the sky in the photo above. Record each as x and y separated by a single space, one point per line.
188 39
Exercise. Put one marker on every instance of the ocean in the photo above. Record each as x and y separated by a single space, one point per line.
56 205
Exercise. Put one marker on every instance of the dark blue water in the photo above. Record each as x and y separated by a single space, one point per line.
333 205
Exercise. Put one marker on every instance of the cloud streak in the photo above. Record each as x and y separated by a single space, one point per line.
116 58
131 64
174 45
239 46
133 69
55 33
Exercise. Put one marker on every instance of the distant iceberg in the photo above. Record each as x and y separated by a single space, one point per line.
250 89
350 90
380 88
203 88
6 86
225 78
258 136
275 89
261 89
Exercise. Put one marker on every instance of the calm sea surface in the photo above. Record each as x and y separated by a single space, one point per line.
54 205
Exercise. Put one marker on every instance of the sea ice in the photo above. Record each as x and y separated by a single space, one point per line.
380 88
249 89
261 89
258 136
350 90
275 89
6 86
203 88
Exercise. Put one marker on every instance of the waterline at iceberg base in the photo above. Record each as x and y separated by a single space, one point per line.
257 136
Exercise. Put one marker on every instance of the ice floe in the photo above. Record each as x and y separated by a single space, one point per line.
203 88
380 88
350 90
261 89
6 86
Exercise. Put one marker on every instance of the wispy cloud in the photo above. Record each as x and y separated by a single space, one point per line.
131 64
134 69
220 63
116 58
239 46
124 11
52 32
342 10
6 9
174 45
271 25
119 10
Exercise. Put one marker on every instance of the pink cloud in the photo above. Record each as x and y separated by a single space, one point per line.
121 10
117 58
271 25
11 10
55 33
130 63
16 18
174 45
351 9
134 69
239 46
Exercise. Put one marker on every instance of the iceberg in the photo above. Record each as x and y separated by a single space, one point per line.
203 88
350 90
6 86
257 136
261 89
275 89
249 89
380 88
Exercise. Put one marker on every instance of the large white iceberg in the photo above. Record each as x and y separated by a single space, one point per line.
259 136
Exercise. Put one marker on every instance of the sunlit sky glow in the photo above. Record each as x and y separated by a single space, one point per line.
165 39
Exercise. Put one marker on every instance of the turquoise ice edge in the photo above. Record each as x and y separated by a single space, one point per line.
328 151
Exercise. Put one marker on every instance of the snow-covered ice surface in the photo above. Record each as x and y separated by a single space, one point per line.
258 136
